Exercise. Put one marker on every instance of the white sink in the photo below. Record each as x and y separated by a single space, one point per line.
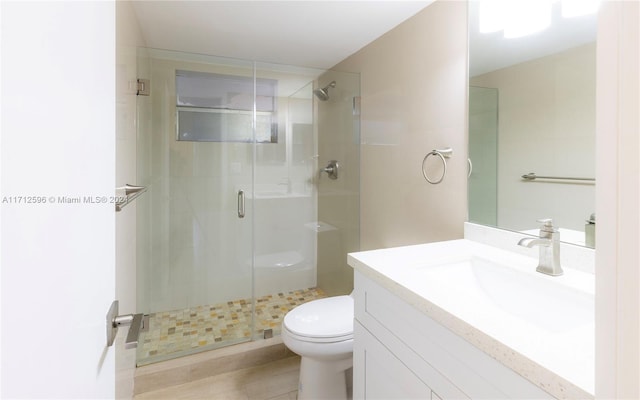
548 320
491 285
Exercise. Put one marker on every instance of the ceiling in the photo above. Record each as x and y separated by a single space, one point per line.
316 34
320 34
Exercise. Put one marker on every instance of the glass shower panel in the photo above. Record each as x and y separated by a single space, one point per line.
483 153
194 251
284 201
338 223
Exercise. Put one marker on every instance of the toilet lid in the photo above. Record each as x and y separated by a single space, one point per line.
323 318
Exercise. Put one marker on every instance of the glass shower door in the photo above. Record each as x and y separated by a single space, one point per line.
483 155
195 227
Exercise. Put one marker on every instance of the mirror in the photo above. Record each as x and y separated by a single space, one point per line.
532 111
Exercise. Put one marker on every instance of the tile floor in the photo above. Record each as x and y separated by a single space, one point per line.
277 380
181 332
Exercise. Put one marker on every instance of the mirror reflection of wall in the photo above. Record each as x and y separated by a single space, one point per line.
533 113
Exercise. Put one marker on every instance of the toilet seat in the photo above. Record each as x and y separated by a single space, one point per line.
321 321
330 339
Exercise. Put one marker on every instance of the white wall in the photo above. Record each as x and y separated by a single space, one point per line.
618 196
58 259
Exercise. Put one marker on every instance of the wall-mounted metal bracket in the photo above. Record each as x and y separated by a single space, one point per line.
131 192
144 87
114 321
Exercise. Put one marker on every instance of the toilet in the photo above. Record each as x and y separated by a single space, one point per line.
321 332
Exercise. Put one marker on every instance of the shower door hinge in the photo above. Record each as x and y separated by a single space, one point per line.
144 87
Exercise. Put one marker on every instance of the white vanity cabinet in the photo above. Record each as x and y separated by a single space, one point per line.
401 353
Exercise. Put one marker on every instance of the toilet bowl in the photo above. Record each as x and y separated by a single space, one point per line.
321 332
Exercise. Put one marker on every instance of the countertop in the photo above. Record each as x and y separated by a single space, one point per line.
558 360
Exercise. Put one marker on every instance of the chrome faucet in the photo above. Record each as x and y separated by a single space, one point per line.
549 243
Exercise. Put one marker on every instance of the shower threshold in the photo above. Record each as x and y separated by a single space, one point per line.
184 332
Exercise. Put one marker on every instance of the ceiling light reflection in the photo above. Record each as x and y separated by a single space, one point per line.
527 17
577 8
519 18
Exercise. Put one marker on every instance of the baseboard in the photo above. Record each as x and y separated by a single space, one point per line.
199 366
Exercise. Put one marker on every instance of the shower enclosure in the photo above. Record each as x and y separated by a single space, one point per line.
240 223
483 155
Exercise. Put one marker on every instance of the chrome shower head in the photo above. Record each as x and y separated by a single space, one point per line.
323 94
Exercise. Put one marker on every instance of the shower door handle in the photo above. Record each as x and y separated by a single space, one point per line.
240 204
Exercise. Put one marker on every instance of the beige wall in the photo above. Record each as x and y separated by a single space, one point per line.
413 88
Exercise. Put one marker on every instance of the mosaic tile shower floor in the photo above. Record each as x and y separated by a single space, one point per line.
181 332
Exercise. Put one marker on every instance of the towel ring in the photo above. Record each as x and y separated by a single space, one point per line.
443 154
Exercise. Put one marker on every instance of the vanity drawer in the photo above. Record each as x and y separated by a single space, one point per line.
466 368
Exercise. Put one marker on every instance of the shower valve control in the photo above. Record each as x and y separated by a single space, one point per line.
332 169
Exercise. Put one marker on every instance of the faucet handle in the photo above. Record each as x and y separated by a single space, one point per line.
547 225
